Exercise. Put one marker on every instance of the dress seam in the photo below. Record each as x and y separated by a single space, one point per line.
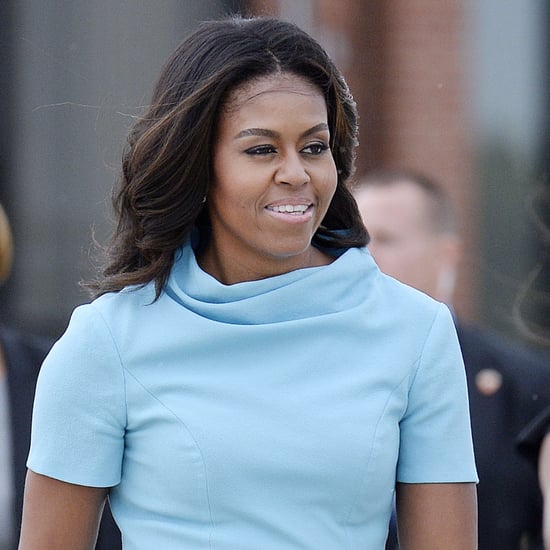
182 422
365 473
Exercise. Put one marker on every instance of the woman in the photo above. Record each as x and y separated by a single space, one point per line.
246 377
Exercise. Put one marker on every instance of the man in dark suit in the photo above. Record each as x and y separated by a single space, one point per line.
21 358
21 355
414 238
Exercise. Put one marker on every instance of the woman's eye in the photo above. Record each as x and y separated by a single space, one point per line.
261 150
315 148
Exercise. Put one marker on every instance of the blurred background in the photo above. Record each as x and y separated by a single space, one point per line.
457 89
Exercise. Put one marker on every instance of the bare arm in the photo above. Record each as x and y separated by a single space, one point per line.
60 515
544 480
431 516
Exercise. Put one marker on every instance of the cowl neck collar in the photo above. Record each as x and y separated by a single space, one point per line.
299 294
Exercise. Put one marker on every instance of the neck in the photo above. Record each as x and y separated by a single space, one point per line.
229 270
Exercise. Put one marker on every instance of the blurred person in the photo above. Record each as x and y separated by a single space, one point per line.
415 238
534 440
20 358
21 355
534 443
245 376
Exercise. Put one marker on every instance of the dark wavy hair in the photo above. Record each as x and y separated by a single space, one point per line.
167 163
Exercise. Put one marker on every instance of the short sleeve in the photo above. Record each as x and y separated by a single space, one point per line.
435 432
79 413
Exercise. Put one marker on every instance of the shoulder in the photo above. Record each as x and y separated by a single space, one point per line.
387 292
129 297
115 307
112 323
412 306
412 323
406 316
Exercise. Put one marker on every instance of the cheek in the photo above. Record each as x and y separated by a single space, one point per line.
232 198
333 173
226 188
224 199
329 183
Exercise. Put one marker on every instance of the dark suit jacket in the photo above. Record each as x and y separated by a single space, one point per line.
24 355
509 500
507 385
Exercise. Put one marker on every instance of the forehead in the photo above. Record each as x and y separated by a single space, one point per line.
268 87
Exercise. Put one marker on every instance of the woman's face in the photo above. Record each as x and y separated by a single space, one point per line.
274 177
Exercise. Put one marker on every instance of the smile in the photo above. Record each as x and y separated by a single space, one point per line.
295 209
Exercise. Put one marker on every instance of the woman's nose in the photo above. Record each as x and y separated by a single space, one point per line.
292 170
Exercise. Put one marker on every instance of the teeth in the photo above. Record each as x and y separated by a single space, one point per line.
290 208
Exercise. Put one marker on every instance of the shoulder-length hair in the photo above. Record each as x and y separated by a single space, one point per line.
167 164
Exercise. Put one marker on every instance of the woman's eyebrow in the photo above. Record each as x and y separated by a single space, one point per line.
321 127
264 132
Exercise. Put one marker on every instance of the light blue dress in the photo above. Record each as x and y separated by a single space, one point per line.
274 414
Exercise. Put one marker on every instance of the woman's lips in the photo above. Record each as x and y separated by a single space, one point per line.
296 212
